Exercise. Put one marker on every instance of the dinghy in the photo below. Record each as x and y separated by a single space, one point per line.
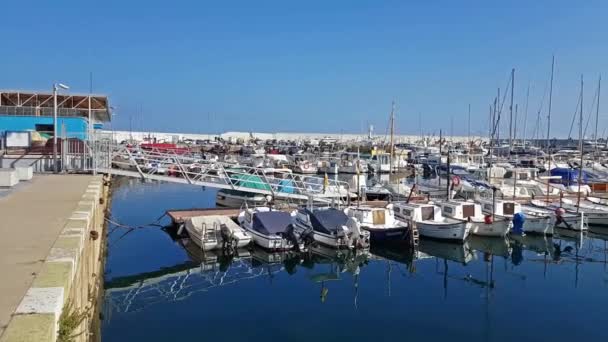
216 232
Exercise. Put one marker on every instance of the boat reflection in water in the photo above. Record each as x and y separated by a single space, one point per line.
453 251
339 261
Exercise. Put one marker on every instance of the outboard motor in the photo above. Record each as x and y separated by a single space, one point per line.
518 223
227 236
290 236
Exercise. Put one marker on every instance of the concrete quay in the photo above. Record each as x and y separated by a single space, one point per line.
51 256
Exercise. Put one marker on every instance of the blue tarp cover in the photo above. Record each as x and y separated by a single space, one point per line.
569 176
271 222
327 220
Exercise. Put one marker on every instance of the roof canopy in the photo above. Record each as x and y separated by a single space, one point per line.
17 102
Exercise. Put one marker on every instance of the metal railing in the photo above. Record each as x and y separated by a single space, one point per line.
182 165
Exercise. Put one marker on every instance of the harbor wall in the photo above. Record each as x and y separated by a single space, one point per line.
63 301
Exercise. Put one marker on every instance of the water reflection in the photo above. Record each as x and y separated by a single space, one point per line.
492 282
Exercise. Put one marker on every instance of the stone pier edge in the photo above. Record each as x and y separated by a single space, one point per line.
37 316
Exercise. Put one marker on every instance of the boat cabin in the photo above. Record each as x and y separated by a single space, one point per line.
501 207
460 210
369 216
416 212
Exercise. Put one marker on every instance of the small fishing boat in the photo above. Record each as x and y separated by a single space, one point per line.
216 232
568 219
505 209
380 222
430 222
472 214
331 227
270 229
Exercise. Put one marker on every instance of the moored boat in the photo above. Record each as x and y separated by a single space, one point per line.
472 214
216 232
270 229
430 222
331 227
380 222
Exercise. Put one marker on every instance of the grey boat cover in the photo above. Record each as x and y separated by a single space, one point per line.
271 222
327 220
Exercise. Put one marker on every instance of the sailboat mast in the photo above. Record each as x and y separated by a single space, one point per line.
549 121
511 111
597 113
550 102
580 150
392 151
526 114
469 126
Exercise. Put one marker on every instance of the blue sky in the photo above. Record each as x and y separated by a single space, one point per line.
322 66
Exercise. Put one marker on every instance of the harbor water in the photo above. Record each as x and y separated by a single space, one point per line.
159 288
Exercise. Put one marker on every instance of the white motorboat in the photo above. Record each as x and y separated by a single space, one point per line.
329 166
305 167
235 198
472 214
380 163
331 227
430 222
216 232
380 222
270 229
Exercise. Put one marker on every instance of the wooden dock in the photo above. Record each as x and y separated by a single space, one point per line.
178 216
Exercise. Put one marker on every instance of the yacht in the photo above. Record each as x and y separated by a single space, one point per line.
430 222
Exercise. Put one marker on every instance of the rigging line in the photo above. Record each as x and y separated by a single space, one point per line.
504 98
591 110
578 103
540 108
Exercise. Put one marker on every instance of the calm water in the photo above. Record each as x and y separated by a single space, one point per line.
485 290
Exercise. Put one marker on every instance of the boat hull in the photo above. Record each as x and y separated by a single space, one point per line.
495 229
445 231
387 234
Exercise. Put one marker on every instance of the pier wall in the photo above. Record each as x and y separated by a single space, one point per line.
62 301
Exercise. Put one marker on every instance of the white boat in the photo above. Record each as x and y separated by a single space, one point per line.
235 198
430 222
331 227
380 163
472 214
504 209
216 232
380 222
329 166
270 229
305 167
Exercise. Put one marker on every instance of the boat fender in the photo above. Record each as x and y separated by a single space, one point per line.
487 219
518 223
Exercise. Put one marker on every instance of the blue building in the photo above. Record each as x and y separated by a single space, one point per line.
30 111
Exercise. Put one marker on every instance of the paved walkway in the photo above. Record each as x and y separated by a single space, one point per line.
31 218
